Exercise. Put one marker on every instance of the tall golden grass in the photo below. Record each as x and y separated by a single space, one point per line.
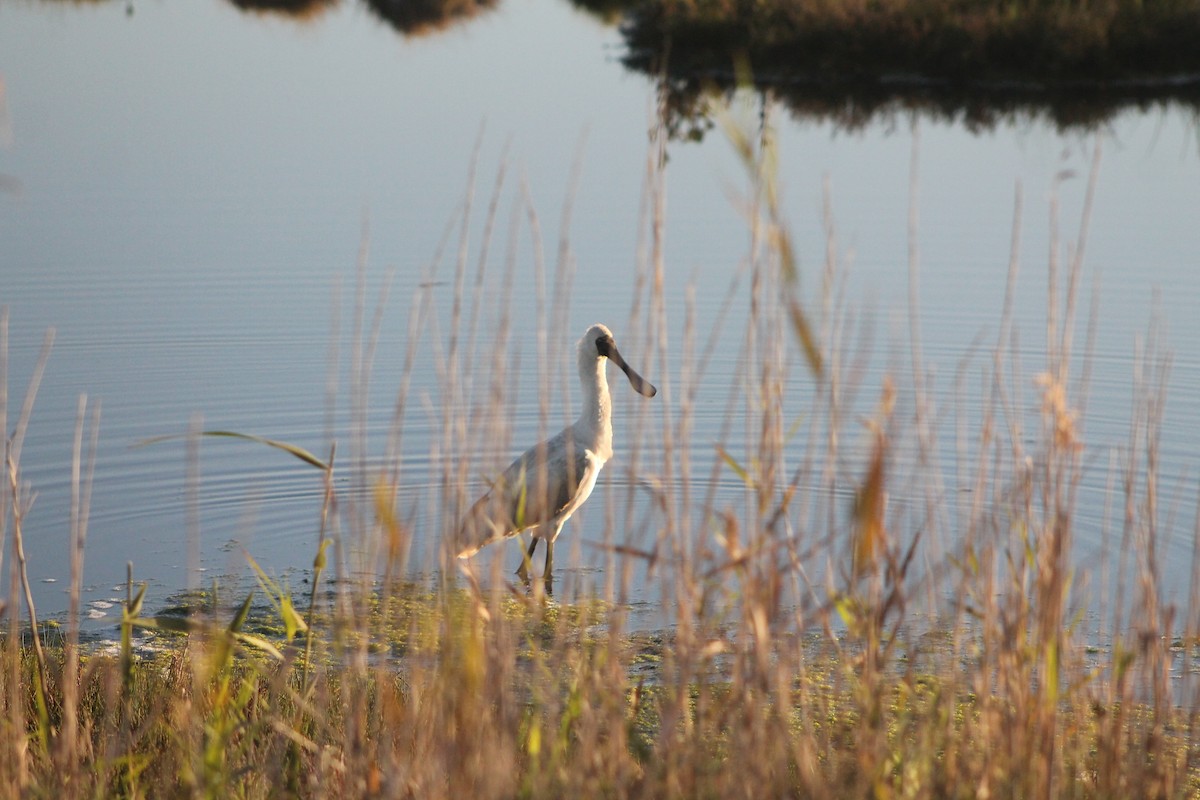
864 622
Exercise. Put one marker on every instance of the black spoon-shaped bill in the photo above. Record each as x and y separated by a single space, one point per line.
608 348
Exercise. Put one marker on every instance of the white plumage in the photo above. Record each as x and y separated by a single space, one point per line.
550 481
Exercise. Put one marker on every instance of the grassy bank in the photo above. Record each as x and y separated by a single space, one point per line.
861 622
523 700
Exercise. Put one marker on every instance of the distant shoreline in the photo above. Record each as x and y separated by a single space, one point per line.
849 60
1113 42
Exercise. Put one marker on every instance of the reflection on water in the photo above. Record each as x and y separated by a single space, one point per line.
610 12
409 17
854 105
418 17
694 72
302 9
696 69
968 63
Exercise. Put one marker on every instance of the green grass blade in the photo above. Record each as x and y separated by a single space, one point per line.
291 449
733 464
239 619
259 643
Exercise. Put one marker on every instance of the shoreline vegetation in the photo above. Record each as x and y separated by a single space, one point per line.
1089 42
862 621
1075 63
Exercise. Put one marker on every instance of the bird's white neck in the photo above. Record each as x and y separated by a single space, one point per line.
595 418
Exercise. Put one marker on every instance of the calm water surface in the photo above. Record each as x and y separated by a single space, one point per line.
196 183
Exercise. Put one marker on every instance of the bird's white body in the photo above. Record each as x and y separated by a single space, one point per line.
548 483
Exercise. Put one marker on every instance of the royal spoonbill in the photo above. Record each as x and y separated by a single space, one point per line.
542 489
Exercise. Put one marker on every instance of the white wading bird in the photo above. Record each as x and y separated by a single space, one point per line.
550 481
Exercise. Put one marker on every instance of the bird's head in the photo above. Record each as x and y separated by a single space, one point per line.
598 343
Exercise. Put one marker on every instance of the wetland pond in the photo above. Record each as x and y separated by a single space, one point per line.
194 195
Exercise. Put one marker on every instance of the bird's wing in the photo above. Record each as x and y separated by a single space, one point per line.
538 486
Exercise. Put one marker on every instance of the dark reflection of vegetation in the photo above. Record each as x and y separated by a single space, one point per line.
608 11
1042 40
852 105
1074 63
296 8
300 8
416 17
850 62
409 17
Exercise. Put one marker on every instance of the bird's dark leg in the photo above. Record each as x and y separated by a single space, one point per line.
549 575
527 561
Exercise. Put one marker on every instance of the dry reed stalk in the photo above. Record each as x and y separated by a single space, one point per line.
16 772
21 499
82 475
